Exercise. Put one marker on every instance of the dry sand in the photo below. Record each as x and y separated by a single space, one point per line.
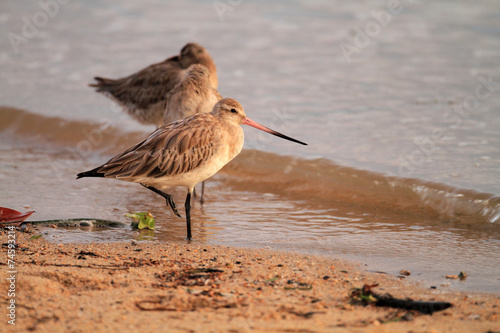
180 287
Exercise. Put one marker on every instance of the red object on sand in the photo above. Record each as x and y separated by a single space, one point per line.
10 216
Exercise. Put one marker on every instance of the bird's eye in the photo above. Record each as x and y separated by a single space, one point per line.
234 111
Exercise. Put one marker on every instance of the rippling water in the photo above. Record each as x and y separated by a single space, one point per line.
402 168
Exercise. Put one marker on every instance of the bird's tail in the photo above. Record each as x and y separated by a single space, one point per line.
90 173
104 84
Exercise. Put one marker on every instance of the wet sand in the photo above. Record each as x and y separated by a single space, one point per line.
178 287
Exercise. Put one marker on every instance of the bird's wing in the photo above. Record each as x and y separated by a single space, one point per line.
172 149
144 88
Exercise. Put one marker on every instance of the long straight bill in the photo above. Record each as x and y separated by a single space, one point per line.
252 123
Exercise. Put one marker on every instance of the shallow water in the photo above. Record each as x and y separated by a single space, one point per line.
398 174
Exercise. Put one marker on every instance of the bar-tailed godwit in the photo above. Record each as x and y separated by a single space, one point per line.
142 95
183 153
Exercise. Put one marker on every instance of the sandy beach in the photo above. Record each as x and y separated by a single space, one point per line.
181 287
397 101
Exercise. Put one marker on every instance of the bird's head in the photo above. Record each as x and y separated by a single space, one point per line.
230 110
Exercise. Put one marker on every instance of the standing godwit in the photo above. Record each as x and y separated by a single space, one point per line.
183 153
193 94
142 95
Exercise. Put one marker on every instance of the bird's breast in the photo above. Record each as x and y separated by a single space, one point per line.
235 142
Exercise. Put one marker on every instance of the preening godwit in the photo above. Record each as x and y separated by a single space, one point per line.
142 95
193 94
184 153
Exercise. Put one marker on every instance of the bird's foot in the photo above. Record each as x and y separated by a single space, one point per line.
171 203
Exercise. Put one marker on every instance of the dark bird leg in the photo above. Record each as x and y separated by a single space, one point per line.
202 192
187 206
168 198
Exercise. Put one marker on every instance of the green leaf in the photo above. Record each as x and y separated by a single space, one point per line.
36 236
142 220
368 298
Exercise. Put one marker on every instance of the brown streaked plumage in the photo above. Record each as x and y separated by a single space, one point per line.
183 153
142 95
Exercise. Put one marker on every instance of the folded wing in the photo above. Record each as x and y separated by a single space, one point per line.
172 149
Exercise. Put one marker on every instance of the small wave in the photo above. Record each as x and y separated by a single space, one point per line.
320 180
326 182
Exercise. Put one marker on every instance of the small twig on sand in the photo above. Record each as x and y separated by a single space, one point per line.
368 296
